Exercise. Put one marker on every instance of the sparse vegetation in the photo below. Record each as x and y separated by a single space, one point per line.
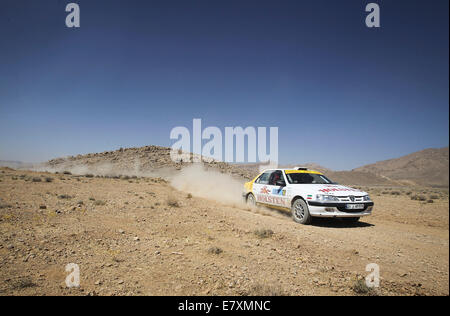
418 198
263 233
360 287
99 202
189 196
215 250
48 179
89 175
22 283
36 179
64 197
4 205
259 289
172 202
67 172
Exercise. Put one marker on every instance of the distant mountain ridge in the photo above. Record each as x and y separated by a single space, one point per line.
428 167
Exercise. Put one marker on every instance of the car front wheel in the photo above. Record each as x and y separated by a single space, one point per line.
300 212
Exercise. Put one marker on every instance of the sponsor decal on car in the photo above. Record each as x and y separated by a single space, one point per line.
279 192
338 189
264 190
272 200
309 197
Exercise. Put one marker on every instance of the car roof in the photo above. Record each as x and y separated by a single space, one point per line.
289 171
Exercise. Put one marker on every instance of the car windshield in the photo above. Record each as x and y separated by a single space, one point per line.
307 178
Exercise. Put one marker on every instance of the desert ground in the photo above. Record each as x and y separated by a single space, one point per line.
141 236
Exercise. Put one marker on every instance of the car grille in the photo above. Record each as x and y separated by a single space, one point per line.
349 199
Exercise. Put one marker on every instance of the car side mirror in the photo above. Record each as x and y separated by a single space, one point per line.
280 183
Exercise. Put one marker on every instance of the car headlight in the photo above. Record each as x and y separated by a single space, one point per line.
326 198
366 198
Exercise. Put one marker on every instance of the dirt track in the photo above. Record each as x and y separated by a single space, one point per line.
129 239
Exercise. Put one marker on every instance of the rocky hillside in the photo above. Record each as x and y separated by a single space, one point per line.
427 167
142 161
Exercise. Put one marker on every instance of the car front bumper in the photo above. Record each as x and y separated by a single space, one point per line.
320 209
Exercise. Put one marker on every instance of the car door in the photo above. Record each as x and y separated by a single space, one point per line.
277 187
261 188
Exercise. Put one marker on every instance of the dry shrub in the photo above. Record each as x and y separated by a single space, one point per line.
263 233
418 198
215 250
264 289
4 205
22 283
99 202
172 201
360 287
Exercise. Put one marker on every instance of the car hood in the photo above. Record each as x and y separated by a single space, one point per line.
328 189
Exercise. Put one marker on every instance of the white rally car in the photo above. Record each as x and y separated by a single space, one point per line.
307 194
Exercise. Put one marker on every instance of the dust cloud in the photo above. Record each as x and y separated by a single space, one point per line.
209 184
105 169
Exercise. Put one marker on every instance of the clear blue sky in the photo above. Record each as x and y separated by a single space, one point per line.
341 94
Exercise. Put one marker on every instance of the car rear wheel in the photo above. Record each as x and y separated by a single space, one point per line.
300 212
351 219
251 199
